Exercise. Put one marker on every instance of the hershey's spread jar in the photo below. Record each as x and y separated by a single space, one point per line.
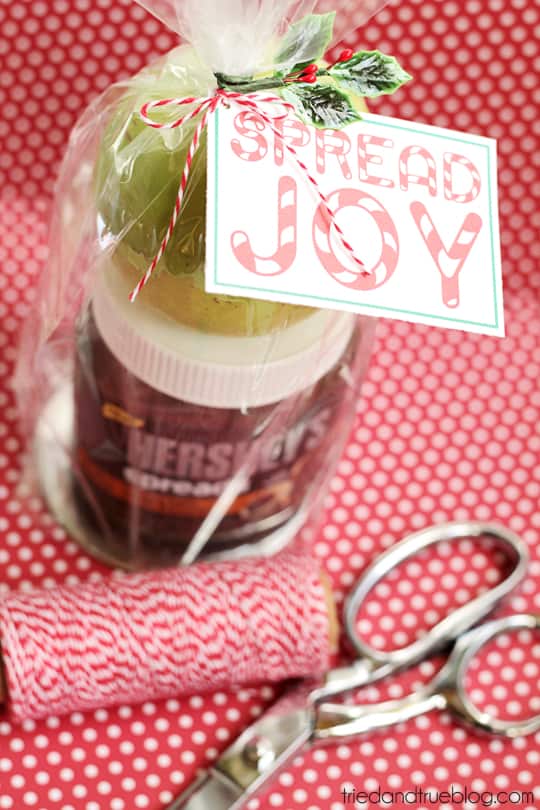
168 416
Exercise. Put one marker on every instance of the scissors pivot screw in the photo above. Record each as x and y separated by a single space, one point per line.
259 752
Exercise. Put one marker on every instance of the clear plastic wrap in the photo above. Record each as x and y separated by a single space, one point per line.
185 422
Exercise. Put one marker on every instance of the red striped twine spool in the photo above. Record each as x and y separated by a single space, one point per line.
163 634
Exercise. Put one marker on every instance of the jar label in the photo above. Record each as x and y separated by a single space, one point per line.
174 476
155 465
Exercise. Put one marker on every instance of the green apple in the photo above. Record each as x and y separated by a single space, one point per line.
138 173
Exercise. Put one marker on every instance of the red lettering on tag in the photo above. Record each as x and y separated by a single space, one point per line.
450 161
406 176
365 157
285 254
387 262
448 262
294 132
333 143
250 126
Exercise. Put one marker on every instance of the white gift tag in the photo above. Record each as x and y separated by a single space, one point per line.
417 203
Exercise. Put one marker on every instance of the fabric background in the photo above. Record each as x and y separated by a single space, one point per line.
448 426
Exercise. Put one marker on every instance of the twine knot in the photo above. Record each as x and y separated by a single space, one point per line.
271 109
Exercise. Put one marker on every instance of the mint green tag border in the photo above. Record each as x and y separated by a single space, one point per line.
246 287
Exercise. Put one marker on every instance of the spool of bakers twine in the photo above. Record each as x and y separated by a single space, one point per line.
162 634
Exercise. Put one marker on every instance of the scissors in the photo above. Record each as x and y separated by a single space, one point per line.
277 737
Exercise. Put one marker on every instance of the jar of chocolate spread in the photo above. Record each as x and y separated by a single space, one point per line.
166 416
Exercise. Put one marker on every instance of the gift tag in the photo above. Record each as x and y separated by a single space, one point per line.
417 204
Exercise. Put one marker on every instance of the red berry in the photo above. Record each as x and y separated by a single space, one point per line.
311 69
345 55
311 78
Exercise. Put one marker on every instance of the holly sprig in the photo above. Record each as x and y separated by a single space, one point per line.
321 96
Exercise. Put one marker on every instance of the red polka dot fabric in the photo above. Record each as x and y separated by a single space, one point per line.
447 428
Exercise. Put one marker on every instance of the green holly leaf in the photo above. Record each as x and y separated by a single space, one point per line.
370 74
306 40
321 105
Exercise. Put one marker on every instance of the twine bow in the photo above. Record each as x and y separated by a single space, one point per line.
206 107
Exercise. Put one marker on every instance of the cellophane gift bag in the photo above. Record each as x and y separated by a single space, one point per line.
173 422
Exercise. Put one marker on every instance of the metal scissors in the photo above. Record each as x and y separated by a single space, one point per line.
272 741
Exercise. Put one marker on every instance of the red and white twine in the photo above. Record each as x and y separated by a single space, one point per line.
164 634
206 106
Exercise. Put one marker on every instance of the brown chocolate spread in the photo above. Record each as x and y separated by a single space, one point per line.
150 466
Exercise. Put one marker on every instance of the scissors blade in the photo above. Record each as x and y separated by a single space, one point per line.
250 762
208 792
346 679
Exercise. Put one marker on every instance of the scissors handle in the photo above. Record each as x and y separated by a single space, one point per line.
336 721
446 690
381 663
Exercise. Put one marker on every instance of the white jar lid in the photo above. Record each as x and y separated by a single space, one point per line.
217 371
